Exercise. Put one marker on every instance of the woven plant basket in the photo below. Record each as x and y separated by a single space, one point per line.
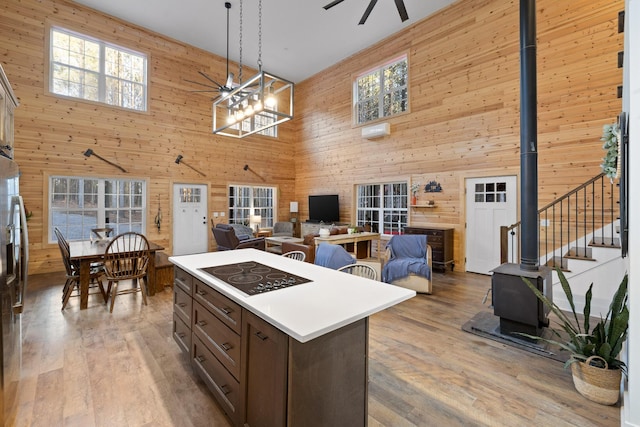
597 384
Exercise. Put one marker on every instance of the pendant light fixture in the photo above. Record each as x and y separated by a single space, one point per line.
260 103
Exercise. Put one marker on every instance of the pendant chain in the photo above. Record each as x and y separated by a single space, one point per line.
240 63
260 35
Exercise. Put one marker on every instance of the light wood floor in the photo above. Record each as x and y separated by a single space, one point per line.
92 368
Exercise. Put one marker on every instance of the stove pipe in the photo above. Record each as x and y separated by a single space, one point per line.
528 137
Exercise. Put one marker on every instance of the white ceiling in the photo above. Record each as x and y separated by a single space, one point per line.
299 37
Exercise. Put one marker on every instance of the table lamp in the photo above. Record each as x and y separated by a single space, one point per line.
293 209
256 220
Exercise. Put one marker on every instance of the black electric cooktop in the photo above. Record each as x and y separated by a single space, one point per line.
254 278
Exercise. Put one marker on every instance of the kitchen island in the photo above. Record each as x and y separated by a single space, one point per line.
295 356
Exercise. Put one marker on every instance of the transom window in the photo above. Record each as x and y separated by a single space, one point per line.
76 205
383 207
87 68
246 202
382 92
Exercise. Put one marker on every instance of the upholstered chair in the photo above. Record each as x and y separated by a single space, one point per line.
282 229
227 239
407 263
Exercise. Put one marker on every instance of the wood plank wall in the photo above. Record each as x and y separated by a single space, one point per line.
465 107
463 120
53 132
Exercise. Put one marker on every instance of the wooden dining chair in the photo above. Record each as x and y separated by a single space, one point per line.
73 273
297 255
126 259
362 270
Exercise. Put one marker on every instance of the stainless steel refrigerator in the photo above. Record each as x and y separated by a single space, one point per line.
14 261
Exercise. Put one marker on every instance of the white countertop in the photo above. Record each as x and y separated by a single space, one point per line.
332 299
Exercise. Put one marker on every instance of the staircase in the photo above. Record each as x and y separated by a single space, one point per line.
579 233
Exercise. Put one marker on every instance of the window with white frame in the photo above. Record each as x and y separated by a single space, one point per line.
87 68
247 202
77 204
382 92
383 207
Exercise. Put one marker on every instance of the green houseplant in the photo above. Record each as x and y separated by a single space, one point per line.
596 369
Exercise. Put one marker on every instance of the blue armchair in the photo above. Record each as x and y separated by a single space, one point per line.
407 263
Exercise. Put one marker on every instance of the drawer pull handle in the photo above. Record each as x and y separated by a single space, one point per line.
200 359
226 347
225 389
260 335
181 335
182 305
201 292
202 323
226 310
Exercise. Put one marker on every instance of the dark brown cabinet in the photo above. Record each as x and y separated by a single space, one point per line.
265 374
441 241
261 376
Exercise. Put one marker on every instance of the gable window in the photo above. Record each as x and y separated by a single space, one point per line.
383 207
382 92
77 204
248 201
87 68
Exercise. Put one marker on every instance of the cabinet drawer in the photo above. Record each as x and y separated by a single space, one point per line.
181 333
224 387
222 341
222 307
182 304
182 279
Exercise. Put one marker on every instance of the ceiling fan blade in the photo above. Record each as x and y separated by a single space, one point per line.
201 84
210 79
402 10
333 3
367 12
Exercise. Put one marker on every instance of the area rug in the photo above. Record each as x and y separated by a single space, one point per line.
486 325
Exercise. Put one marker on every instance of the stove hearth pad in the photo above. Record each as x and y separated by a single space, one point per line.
254 278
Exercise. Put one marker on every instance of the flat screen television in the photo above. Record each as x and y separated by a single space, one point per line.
324 208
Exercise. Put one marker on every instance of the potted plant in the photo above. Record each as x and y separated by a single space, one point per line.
415 187
594 362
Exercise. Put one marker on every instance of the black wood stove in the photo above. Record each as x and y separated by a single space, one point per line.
515 304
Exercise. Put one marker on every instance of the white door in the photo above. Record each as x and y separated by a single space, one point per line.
190 229
491 202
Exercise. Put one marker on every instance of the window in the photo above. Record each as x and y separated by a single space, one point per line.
491 192
76 205
90 69
382 92
246 201
383 206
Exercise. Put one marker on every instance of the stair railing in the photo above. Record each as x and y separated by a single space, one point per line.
587 210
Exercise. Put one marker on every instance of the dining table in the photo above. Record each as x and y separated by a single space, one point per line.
87 252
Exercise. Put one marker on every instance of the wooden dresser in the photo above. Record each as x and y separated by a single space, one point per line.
441 241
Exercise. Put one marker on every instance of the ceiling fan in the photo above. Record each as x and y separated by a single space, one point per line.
402 10
229 85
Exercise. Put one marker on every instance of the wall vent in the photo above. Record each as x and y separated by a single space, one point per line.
376 131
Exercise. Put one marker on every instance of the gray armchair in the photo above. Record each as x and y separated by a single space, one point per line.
283 229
